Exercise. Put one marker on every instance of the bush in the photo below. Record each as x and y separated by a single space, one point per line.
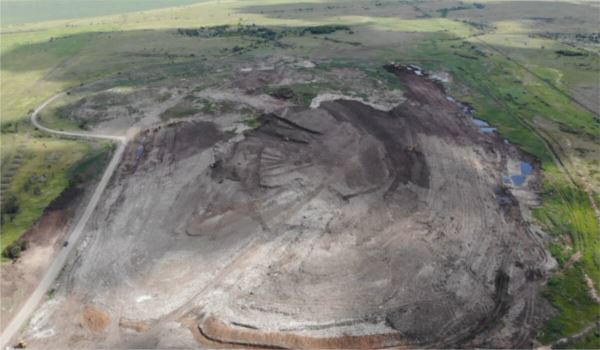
10 205
14 250
326 29
570 53
24 245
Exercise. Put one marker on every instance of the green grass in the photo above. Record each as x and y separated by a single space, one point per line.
253 122
24 11
301 94
39 180
569 293
590 341
566 211
180 110
25 68
54 117
90 167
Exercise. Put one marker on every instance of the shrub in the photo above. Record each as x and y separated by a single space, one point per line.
326 29
10 205
14 250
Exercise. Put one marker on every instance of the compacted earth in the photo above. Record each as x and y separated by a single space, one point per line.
339 225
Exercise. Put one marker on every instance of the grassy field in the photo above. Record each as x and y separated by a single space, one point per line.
25 11
38 180
501 62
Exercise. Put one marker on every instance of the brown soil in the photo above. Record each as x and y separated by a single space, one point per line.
138 326
220 332
167 145
20 278
95 319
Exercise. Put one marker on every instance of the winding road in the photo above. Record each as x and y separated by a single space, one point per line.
36 297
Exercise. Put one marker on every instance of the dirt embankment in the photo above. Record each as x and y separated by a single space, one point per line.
19 278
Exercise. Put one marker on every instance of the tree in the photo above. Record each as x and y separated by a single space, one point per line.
10 205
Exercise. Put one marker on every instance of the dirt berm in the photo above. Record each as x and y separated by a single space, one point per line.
335 227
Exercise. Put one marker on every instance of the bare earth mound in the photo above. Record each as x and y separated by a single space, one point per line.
335 227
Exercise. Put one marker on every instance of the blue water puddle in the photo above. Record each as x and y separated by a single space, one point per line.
526 168
483 126
519 179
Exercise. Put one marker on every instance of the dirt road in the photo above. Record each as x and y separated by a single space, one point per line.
58 263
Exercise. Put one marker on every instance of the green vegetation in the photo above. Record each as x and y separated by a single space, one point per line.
301 94
570 53
444 11
36 182
59 115
587 38
252 122
325 29
180 110
14 250
262 36
90 167
590 341
23 11
253 30
569 293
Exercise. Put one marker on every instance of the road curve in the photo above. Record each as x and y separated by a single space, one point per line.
36 297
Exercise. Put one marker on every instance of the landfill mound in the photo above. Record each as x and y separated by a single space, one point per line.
340 226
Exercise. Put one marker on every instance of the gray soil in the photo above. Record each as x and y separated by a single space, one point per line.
339 226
